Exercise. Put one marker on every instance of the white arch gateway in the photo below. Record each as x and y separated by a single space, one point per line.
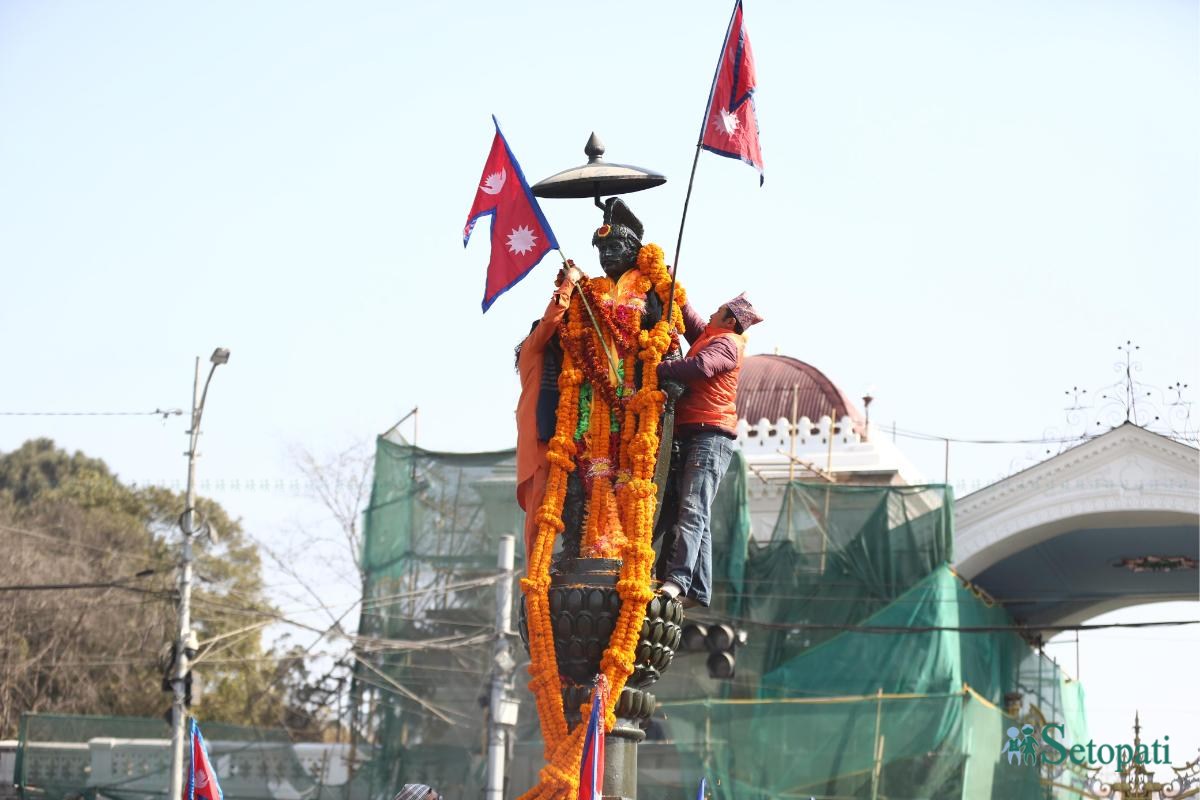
1113 522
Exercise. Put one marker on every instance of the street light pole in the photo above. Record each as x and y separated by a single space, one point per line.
185 641
502 718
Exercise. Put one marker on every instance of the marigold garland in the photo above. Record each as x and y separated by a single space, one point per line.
601 538
579 337
652 264
623 320
543 666
621 495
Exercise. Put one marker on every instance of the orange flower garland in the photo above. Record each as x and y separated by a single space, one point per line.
543 666
602 527
625 530
651 263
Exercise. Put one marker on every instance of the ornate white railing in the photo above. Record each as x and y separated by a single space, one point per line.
139 767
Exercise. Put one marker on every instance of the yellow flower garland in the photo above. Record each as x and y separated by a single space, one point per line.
635 497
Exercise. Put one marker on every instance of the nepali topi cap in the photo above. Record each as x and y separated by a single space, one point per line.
743 312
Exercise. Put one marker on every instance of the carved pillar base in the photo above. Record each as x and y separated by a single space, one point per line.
584 605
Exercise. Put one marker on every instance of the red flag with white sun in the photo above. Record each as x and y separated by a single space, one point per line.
202 777
521 237
730 124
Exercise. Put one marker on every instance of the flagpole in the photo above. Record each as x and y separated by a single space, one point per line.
687 198
612 362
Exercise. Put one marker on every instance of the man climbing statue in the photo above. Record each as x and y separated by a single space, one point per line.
706 429
539 359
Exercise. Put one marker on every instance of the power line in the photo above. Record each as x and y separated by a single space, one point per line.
1084 437
366 644
889 629
69 543
48 587
158 412
99 662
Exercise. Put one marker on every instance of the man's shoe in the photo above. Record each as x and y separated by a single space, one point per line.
670 590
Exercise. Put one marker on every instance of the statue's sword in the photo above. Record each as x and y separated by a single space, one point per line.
612 362
662 466
666 438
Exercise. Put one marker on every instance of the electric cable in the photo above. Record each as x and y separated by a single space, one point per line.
909 629
933 437
83 546
46 587
158 412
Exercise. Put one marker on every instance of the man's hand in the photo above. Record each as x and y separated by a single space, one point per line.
569 272
570 275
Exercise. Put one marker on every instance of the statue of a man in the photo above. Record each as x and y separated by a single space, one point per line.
618 243
600 494
604 336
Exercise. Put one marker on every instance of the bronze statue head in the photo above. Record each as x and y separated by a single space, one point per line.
619 239
618 254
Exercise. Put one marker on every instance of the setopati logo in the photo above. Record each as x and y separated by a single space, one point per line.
1022 746
1028 746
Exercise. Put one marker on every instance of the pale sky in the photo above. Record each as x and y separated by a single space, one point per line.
968 205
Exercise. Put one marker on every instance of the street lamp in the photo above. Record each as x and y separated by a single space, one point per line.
185 642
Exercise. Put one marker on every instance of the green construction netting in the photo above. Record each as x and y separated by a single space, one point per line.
869 671
431 539
906 705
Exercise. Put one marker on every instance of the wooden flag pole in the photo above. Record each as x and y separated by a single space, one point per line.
687 199
696 160
612 362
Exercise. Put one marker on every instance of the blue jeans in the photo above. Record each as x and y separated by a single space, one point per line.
705 457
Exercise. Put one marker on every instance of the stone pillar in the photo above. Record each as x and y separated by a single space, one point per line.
584 605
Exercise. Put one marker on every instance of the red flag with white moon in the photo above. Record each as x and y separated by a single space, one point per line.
730 124
521 237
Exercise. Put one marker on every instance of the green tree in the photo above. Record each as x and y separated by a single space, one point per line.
65 519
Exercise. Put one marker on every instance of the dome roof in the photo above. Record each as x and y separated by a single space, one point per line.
767 384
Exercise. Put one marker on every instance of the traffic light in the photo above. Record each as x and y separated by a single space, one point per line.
720 641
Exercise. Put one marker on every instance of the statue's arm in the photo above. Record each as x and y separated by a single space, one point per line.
654 310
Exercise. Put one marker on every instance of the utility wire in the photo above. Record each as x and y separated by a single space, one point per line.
888 629
435 590
47 587
69 543
158 412
933 437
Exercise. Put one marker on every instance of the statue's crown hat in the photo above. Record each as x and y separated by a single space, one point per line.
619 221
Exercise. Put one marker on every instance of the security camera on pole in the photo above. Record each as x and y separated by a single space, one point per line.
185 642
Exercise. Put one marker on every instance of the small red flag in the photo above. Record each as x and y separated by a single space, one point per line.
202 779
521 237
591 766
730 124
